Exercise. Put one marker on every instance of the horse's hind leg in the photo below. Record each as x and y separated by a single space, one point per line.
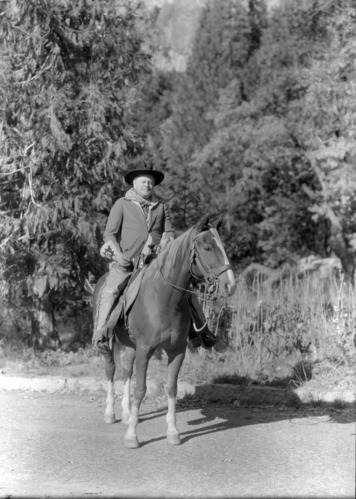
174 364
127 361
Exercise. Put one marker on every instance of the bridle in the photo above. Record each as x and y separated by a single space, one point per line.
209 274
209 293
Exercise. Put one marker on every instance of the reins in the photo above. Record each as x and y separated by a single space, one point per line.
206 298
210 275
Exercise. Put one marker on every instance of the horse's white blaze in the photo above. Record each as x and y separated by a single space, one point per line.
230 273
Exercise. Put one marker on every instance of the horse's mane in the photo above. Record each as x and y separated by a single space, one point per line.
168 256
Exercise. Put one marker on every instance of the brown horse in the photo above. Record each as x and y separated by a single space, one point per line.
160 317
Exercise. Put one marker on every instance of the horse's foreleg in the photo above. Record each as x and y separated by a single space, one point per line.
174 364
126 401
109 416
127 361
142 358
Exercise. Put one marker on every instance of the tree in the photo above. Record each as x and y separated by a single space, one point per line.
70 74
327 131
254 163
262 127
222 45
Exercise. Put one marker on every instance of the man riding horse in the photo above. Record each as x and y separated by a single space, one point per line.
135 226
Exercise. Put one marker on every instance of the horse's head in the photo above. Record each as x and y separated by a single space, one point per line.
208 257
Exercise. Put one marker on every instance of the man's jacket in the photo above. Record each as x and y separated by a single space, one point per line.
127 226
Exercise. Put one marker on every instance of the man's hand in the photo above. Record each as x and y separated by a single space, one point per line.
112 253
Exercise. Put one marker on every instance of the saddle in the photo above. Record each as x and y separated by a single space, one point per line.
128 297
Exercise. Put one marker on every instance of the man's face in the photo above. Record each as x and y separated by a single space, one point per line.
143 185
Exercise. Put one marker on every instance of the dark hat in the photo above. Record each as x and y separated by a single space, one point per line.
144 167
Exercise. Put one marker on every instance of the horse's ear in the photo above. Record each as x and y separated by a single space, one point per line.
203 223
218 222
208 221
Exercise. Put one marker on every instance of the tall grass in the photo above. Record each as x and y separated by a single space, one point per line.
288 332
303 315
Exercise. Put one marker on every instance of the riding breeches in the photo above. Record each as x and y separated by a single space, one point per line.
116 281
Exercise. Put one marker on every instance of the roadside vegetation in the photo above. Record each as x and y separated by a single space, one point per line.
286 336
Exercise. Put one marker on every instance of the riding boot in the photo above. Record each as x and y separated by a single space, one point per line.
200 334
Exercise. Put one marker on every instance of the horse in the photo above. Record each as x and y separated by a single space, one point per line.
160 318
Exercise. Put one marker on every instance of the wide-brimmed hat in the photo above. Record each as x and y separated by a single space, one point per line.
144 167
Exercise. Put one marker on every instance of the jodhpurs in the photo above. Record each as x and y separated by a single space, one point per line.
116 281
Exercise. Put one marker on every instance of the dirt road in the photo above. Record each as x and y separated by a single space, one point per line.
57 445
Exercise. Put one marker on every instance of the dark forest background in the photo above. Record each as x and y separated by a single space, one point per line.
261 125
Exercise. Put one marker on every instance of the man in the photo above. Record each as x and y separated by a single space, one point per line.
135 225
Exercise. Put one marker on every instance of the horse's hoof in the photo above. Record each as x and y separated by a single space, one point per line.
109 418
173 438
131 443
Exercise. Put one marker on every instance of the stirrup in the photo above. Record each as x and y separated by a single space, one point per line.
104 346
208 339
205 339
194 339
102 335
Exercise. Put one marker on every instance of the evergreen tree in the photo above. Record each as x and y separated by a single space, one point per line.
219 53
70 73
255 149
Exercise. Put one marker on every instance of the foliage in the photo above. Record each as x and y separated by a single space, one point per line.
272 329
70 73
248 117
223 43
327 131
260 126
254 151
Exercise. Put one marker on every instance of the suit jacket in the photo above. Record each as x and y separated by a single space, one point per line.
127 226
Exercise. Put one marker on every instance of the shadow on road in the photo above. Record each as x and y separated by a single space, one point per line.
217 416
